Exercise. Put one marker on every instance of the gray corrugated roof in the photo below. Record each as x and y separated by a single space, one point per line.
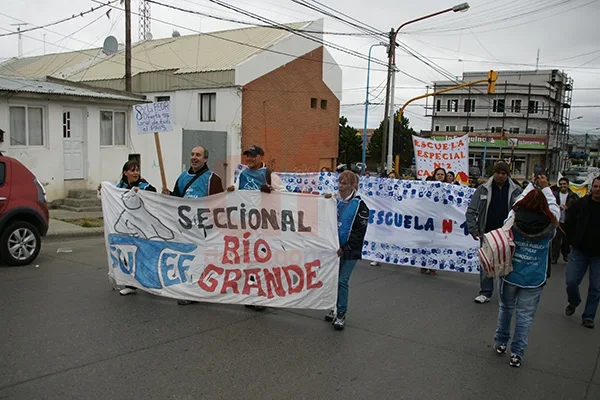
215 51
41 86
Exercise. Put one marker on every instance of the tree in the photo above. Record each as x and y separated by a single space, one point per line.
350 144
403 144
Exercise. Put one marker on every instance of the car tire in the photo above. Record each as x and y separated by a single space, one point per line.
12 234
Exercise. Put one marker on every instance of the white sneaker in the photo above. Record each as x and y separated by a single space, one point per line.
481 299
126 291
374 264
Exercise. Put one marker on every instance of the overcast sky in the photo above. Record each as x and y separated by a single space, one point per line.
493 34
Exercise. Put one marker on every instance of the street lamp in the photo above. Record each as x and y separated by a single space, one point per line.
392 71
364 147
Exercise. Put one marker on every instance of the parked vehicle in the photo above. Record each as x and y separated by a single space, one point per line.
23 213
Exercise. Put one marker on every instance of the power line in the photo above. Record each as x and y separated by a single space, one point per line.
306 36
237 21
81 14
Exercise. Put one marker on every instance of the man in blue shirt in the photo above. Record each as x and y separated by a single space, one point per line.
256 177
195 183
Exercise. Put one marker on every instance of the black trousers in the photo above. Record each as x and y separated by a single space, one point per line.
560 244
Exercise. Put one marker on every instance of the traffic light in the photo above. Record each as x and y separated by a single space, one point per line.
492 76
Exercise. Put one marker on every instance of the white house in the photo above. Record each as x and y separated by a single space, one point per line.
68 135
228 90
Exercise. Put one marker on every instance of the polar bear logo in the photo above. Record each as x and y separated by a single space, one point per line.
136 221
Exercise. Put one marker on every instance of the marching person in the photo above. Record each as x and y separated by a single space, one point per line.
257 176
197 182
131 179
583 231
450 178
353 218
487 211
439 175
565 198
535 221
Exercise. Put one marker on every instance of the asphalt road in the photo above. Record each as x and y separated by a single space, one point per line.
66 335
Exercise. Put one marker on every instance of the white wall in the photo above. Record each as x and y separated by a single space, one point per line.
332 74
47 162
266 61
185 106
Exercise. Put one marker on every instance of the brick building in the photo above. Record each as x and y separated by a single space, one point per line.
227 89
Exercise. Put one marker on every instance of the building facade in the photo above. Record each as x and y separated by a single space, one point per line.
525 122
69 136
228 90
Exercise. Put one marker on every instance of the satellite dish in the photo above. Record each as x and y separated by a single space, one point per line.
111 46
176 34
148 36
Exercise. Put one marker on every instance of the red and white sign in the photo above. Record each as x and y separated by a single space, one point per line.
452 155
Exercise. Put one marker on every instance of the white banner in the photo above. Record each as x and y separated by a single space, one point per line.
153 117
413 223
243 247
452 155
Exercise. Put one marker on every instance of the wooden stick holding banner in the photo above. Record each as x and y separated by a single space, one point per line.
155 118
163 178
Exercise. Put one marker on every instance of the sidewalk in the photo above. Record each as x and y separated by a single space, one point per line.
60 229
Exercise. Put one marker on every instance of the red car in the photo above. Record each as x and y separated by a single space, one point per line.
23 213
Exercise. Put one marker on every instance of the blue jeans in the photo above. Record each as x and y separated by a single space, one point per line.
575 271
486 284
525 302
346 267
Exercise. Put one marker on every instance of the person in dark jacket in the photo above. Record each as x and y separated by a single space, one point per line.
565 197
583 231
131 179
353 218
535 221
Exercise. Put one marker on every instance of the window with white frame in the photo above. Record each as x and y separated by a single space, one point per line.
531 130
437 128
208 107
513 130
162 98
498 106
515 106
533 106
26 126
438 105
113 128
450 128
469 105
467 128
452 105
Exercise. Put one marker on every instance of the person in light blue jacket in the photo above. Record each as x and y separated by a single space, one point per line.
535 218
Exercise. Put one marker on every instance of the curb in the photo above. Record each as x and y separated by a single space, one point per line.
86 232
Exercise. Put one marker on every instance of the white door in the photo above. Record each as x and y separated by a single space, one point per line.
73 143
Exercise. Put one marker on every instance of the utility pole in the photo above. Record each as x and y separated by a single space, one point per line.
386 118
128 45
20 37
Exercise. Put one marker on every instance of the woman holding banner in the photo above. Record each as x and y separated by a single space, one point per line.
353 218
535 219
131 179
439 175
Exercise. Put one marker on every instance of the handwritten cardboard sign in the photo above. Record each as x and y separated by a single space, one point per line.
153 117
